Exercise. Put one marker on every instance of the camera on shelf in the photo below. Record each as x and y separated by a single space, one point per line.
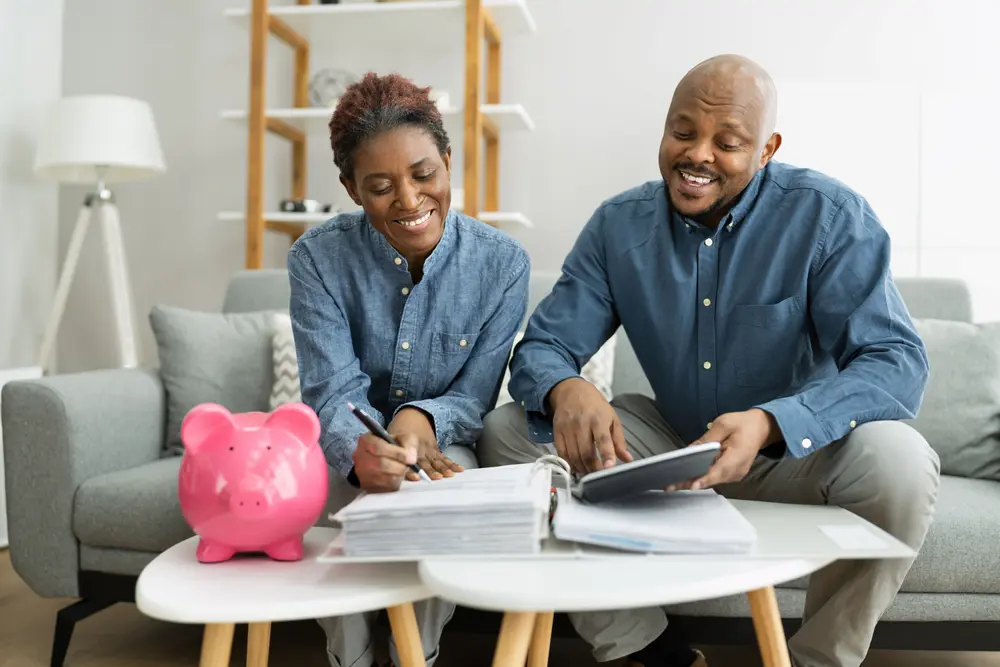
304 206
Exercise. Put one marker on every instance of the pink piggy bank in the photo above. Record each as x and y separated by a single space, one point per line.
252 481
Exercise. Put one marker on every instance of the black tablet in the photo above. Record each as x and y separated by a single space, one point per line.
653 473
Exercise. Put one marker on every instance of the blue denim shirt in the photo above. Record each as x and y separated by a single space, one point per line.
788 306
366 334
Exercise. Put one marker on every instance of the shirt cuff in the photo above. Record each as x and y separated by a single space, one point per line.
352 479
799 427
438 416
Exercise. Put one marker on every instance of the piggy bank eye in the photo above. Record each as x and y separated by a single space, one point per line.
230 448
269 446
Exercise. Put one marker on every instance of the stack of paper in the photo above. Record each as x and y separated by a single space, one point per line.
657 522
501 510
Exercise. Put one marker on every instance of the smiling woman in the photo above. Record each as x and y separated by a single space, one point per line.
406 309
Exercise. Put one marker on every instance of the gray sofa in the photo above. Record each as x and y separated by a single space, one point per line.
92 499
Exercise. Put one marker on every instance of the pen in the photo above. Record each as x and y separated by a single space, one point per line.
377 429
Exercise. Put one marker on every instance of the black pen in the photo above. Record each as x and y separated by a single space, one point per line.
377 429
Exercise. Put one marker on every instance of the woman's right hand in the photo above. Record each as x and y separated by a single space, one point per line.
381 466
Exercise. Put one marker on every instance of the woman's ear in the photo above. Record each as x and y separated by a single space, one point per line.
446 157
352 190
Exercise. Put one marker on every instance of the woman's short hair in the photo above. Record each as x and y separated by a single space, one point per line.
376 104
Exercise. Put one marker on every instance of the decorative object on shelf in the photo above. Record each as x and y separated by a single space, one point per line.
304 206
327 85
251 482
98 140
329 2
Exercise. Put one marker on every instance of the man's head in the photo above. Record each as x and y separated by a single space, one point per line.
719 132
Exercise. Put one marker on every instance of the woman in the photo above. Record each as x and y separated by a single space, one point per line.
406 309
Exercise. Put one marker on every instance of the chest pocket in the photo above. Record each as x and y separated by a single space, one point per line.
769 340
449 352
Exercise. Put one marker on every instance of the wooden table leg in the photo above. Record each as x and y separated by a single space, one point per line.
516 631
216 644
767 625
541 638
258 644
403 622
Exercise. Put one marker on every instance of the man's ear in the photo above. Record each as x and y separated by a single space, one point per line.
770 148
352 191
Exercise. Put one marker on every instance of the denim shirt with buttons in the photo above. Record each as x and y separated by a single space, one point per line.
366 334
788 305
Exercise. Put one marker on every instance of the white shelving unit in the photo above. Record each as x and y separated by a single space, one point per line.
478 107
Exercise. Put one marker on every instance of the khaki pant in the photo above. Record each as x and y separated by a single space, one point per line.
884 472
349 638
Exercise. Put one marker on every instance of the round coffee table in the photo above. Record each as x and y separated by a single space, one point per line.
530 590
256 590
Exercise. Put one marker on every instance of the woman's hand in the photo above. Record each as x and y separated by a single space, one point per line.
381 466
413 428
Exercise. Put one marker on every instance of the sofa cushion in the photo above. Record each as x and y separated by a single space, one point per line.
211 358
135 509
960 414
960 553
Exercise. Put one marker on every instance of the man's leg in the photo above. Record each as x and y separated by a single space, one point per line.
349 638
612 634
886 473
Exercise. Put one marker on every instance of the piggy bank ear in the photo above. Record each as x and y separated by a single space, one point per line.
296 418
204 422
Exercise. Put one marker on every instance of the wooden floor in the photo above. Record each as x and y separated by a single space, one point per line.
121 636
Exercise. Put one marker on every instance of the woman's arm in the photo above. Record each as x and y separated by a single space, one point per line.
457 415
329 372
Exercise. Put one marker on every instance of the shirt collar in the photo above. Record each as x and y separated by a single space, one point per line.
736 215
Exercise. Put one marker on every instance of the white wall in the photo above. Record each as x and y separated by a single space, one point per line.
30 77
896 99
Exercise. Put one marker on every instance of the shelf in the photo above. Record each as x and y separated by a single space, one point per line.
507 117
500 219
418 17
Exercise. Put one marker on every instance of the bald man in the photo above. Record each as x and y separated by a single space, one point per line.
758 299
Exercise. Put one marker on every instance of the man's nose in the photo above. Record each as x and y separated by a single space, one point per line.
700 151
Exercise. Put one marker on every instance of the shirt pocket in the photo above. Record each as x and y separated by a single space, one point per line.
769 340
449 352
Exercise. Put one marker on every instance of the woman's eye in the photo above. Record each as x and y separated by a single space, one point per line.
383 191
424 176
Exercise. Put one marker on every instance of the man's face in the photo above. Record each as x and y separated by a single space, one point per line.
713 144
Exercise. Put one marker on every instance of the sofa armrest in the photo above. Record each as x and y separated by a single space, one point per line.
58 432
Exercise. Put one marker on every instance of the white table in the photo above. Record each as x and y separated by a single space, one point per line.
793 541
256 590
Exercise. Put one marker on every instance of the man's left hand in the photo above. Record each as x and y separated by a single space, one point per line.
742 435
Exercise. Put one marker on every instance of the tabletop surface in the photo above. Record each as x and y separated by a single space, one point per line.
176 587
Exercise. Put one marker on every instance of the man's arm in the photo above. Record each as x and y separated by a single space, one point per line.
457 415
329 372
567 328
859 316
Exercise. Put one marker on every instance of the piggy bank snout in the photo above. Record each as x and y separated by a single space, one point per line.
250 503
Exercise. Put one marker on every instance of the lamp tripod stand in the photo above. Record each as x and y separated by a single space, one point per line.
102 204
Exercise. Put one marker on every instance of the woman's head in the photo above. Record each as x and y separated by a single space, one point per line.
395 159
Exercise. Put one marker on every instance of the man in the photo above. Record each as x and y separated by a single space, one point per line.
759 302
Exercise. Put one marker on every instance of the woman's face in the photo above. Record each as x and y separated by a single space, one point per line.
404 185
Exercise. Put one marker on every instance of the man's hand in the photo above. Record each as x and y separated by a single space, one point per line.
413 428
582 419
742 435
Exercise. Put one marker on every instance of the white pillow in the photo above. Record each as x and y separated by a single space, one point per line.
599 370
285 388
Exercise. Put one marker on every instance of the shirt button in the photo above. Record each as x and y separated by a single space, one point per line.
853 423
806 443
399 392
398 261
406 345
707 365
708 242
405 291
707 302
463 343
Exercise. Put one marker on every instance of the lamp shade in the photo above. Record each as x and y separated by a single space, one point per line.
87 138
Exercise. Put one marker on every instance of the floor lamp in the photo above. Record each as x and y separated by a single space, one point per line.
98 140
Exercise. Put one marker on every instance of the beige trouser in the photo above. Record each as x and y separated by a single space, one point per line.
884 472
349 638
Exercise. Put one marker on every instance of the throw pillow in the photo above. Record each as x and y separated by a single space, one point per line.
211 358
599 370
960 414
286 368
